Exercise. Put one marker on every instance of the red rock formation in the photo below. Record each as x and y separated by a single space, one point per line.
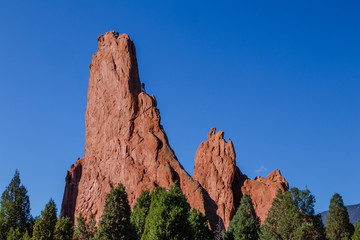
263 190
126 143
124 139
215 169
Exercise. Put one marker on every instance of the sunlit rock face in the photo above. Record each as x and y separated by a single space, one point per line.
125 143
215 169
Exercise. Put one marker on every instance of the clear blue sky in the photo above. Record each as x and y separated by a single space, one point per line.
282 80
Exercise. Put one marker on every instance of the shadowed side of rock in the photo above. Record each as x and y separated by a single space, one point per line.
72 179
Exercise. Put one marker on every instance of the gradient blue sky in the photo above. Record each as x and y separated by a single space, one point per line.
282 80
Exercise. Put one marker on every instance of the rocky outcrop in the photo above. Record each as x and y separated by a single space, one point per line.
215 169
125 142
263 190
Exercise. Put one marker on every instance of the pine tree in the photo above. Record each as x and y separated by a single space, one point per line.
14 234
356 235
91 227
81 232
140 212
115 222
312 224
44 227
244 225
63 229
291 216
85 231
15 208
26 236
168 216
338 225
199 226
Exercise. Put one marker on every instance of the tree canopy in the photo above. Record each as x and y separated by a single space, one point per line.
140 212
338 225
115 222
63 229
168 215
245 223
199 225
45 225
15 209
291 216
356 235
83 231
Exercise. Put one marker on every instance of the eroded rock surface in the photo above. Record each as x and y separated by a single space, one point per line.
215 169
263 190
124 141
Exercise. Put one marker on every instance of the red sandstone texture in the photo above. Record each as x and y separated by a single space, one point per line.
125 143
263 190
215 169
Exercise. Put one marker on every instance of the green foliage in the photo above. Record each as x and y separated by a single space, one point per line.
115 222
81 232
305 203
26 236
244 225
199 226
338 225
14 234
15 208
91 227
356 235
291 216
44 227
140 212
63 229
85 231
168 216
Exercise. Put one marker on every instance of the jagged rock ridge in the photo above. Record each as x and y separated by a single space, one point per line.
215 169
126 143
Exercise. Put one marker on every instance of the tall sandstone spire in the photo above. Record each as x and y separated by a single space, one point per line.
125 143
124 140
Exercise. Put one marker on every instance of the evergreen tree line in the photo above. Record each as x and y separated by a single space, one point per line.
165 214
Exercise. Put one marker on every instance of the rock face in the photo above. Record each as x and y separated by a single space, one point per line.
263 190
124 139
125 143
215 169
